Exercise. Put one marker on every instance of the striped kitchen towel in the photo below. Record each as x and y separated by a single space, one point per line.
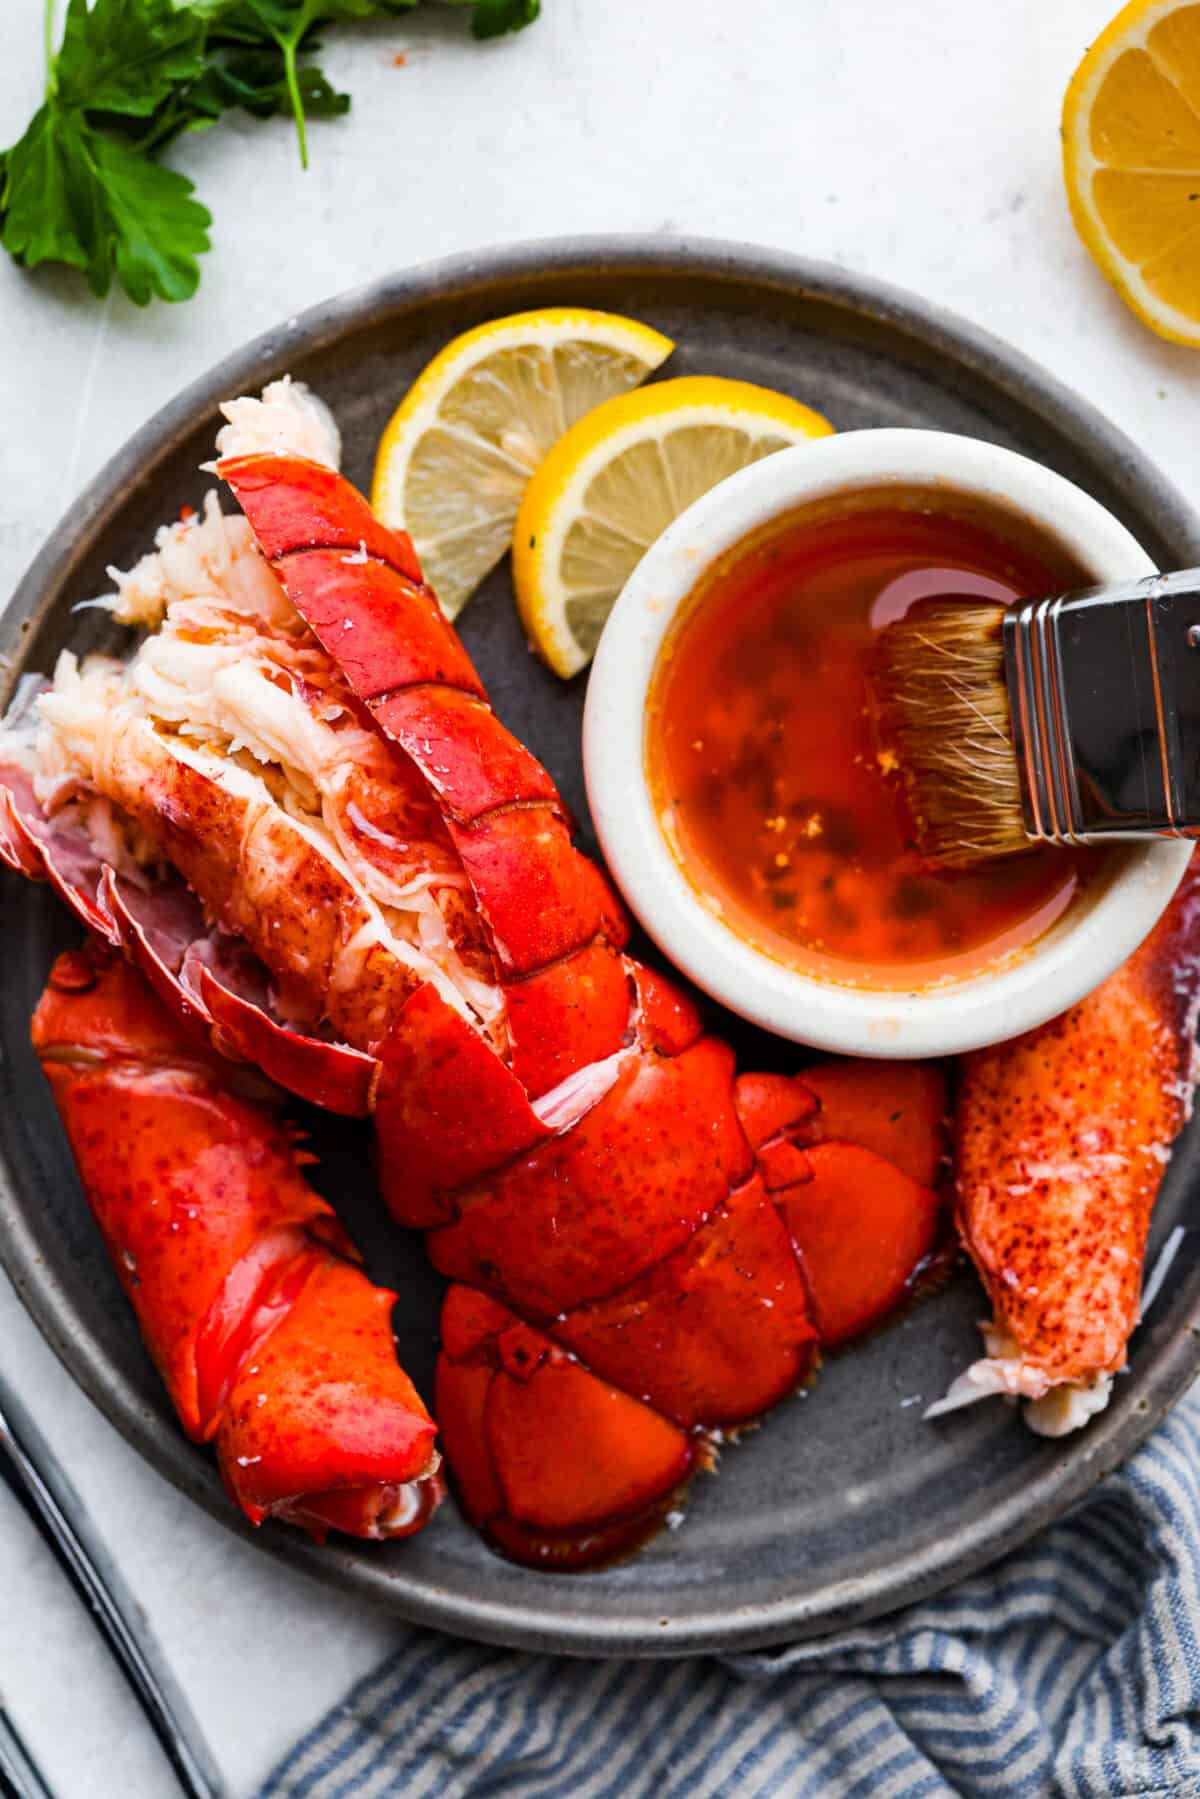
1070 1670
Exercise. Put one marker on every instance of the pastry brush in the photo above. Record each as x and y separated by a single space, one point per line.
1073 719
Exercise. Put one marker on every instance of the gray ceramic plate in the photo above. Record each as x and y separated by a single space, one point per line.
845 1503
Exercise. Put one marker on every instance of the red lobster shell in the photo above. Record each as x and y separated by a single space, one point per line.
270 1340
644 1248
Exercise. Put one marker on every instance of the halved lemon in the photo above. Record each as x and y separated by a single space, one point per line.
614 483
456 457
1131 158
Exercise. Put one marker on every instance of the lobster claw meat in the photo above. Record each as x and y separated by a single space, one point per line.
1062 1138
267 1335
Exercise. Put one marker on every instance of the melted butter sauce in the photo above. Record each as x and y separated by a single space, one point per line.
778 797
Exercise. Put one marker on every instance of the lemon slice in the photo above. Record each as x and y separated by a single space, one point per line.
614 483
456 457
1131 159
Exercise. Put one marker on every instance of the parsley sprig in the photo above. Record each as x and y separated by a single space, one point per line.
84 185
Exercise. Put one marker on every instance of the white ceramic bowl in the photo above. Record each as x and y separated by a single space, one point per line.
1090 940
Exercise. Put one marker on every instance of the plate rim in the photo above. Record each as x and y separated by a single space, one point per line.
1165 1368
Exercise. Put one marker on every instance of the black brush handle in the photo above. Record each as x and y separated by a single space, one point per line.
1174 615
30 1469
1104 689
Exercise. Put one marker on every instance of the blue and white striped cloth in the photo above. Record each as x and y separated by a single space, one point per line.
1070 1670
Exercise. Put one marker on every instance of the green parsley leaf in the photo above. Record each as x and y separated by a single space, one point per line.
86 197
82 186
287 23
290 24
42 175
290 19
152 229
493 18
125 56
255 81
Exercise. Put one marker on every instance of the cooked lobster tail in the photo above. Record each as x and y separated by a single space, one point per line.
634 1221
269 1338
377 900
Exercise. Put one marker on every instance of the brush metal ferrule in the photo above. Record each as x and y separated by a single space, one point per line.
1104 689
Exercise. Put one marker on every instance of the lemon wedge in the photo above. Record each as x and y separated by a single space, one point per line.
1131 161
614 483
458 452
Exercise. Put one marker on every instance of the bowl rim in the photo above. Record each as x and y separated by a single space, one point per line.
1080 950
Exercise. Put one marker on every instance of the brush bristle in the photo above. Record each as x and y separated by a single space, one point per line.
944 711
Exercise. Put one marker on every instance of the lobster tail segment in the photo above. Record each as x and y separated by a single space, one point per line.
647 1250
267 1335
377 903
558 1468
852 1153
716 1333
582 1215
357 587
321 1426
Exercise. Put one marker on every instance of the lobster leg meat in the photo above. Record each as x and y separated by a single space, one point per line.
269 1338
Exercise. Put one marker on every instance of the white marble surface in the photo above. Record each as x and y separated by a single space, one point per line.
917 141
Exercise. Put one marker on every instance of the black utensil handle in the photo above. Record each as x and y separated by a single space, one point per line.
1173 608
32 1471
20 1776
1105 691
